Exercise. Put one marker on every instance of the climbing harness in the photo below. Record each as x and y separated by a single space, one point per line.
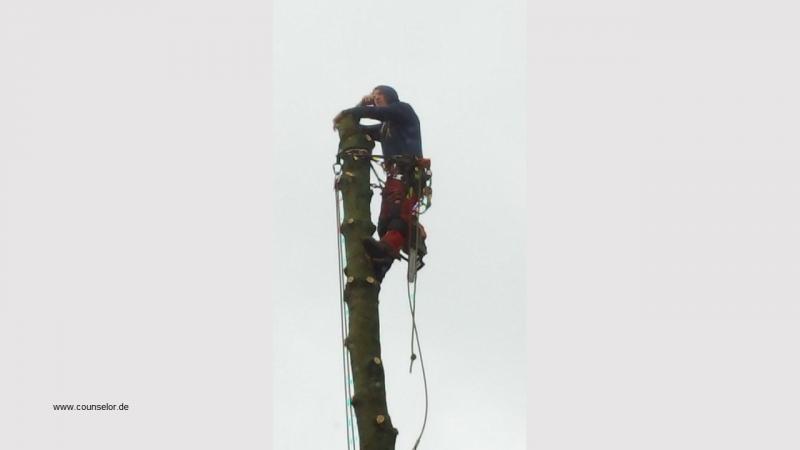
421 188
419 184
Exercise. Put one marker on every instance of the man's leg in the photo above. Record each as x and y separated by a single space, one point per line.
392 230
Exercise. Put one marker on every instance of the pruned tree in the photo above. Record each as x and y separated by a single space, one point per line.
375 430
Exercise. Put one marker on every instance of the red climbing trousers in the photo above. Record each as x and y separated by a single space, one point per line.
397 209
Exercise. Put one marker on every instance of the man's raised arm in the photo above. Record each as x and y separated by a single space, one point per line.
399 112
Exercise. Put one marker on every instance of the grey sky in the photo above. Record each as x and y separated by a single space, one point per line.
133 223
462 67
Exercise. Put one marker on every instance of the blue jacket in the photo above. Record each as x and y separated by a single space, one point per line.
399 133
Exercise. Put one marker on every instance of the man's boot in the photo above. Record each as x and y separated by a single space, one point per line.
382 256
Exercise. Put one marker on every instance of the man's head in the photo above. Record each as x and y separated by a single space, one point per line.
384 95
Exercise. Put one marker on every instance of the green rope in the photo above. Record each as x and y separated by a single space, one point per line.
344 320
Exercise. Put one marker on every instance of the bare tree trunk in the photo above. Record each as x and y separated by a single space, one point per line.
375 430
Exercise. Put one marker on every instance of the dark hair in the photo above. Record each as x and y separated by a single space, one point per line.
388 92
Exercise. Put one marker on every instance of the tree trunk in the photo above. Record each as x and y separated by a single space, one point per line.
375 430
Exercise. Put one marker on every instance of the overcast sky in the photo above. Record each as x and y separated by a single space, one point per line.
134 184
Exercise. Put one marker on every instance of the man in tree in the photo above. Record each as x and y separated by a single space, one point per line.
401 143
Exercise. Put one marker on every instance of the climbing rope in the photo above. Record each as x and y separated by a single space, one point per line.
343 313
412 300
344 319
381 182
411 288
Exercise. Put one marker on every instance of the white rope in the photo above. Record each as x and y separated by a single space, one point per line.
412 304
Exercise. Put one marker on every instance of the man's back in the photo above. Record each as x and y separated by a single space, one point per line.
399 133
400 136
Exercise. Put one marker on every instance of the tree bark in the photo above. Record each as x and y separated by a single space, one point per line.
375 430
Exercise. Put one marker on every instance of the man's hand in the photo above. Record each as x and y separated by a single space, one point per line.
367 100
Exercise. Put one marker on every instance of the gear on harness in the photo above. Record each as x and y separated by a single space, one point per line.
406 194
416 249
